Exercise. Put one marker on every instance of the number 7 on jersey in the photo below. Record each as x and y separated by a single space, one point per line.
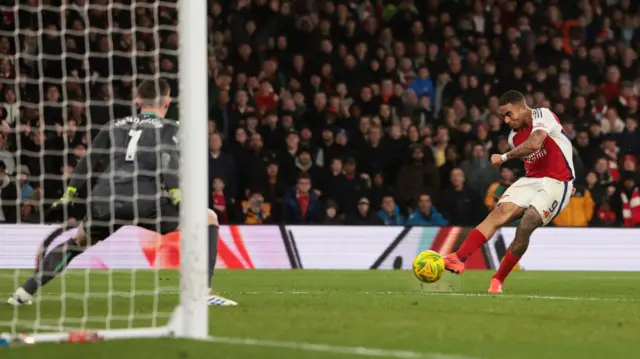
132 148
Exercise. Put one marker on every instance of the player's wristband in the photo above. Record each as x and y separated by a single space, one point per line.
504 157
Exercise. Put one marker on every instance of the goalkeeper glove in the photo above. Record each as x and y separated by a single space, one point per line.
68 198
176 195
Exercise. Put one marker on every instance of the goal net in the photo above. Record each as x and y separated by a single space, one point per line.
67 68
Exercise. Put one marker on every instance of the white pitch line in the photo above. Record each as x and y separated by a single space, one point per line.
456 294
336 349
586 277
425 293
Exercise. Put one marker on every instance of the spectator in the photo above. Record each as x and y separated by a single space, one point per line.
497 188
355 186
629 139
426 214
329 150
579 210
390 212
612 123
378 190
417 177
273 189
6 156
10 110
272 134
304 164
374 154
461 204
287 159
332 217
363 216
221 165
8 197
444 171
22 179
597 190
603 172
361 83
255 210
479 170
586 151
627 200
301 205
336 182
423 85
219 201
604 217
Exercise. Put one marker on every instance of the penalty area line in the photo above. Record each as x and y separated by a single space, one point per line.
335 349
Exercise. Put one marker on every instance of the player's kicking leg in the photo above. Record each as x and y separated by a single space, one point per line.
53 264
529 223
549 200
504 213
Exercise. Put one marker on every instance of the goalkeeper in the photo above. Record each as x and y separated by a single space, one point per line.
139 187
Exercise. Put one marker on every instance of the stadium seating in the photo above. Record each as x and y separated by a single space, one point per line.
344 111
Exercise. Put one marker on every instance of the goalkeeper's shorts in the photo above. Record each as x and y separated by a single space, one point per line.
104 218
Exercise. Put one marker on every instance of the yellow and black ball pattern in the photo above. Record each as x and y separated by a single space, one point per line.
428 266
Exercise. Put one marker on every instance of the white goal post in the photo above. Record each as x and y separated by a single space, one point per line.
190 317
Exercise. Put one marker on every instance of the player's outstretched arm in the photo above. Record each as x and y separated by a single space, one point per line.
98 148
531 145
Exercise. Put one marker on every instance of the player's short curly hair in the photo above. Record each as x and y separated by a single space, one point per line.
511 97
150 92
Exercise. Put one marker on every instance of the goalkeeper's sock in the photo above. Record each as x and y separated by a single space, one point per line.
53 263
474 240
213 250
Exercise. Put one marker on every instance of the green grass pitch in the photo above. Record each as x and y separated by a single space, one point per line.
385 313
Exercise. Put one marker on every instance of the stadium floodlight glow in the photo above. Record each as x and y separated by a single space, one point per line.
121 303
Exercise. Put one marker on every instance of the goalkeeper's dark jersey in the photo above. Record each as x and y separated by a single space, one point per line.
139 155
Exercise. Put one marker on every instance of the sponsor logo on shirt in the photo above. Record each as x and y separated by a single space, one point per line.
536 155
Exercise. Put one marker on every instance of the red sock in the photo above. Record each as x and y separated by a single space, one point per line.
508 262
474 240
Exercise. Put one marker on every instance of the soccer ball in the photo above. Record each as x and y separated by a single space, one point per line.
428 266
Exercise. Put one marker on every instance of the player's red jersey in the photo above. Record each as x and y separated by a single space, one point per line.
555 158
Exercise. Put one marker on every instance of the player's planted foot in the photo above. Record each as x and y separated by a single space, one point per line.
218 301
495 286
20 297
453 264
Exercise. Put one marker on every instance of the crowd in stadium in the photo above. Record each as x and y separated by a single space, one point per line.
336 111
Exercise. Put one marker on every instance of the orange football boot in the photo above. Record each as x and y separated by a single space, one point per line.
495 286
453 264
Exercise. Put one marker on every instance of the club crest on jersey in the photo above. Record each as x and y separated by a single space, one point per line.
546 213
